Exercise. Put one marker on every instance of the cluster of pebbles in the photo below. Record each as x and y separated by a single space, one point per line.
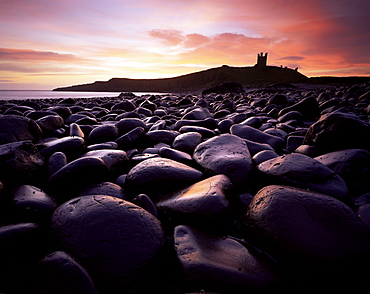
266 191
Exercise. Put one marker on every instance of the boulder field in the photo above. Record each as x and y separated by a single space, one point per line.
263 191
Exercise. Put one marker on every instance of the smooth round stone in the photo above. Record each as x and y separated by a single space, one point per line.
114 240
278 99
176 155
75 130
105 188
129 140
126 125
252 134
306 228
159 175
59 273
145 202
76 175
291 115
206 133
125 105
63 111
32 204
187 142
103 133
39 114
20 163
55 162
305 172
162 136
263 155
254 122
220 264
50 123
293 142
225 125
203 204
73 118
105 145
116 160
276 132
198 113
225 154
158 125
72 147
209 123
15 128
352 165
338 131
308 107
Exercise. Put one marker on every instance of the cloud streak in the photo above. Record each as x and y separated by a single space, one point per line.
160 38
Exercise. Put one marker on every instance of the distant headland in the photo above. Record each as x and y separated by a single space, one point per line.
255 75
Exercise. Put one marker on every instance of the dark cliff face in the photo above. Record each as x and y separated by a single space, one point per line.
195 81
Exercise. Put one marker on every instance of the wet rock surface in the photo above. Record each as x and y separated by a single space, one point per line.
255 191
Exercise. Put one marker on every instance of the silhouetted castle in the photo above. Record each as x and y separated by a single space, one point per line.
261 60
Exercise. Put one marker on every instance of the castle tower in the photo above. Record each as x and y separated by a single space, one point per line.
261 60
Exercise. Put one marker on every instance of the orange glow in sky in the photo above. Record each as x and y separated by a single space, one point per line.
46 44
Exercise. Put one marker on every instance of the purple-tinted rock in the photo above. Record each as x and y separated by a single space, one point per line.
116 160
198 113
252 134
308 107
103 133
130 139
105 188
55 162
126 125
75 130
225 154
187 142
209 123
125 105
145 202
203 204
159 175
105 145
176 155
14 128
263 155
71 179
114 240
304 172
353 166
206 133
59 273
162 136
302 227
50 123
32 204
20 163
220 264
72 147
339 131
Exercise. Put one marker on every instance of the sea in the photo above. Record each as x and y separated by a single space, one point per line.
48 94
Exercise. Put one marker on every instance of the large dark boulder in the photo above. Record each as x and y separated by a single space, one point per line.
338 131
20 163
115 240
15 128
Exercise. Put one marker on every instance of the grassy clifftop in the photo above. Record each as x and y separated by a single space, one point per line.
195 81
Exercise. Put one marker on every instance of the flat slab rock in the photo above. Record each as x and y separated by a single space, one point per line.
113 239
159 175
306 228
212 263
225 154
304 172
203 203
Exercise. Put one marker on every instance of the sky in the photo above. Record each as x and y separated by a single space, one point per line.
46 44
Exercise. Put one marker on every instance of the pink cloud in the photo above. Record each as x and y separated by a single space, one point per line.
33 55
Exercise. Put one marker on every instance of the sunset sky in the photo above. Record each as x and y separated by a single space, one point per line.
46 44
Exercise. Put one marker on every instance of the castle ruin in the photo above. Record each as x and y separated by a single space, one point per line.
261 60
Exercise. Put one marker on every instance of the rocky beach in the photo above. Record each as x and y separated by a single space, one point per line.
229 190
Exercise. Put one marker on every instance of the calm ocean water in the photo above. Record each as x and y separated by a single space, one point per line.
24 94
